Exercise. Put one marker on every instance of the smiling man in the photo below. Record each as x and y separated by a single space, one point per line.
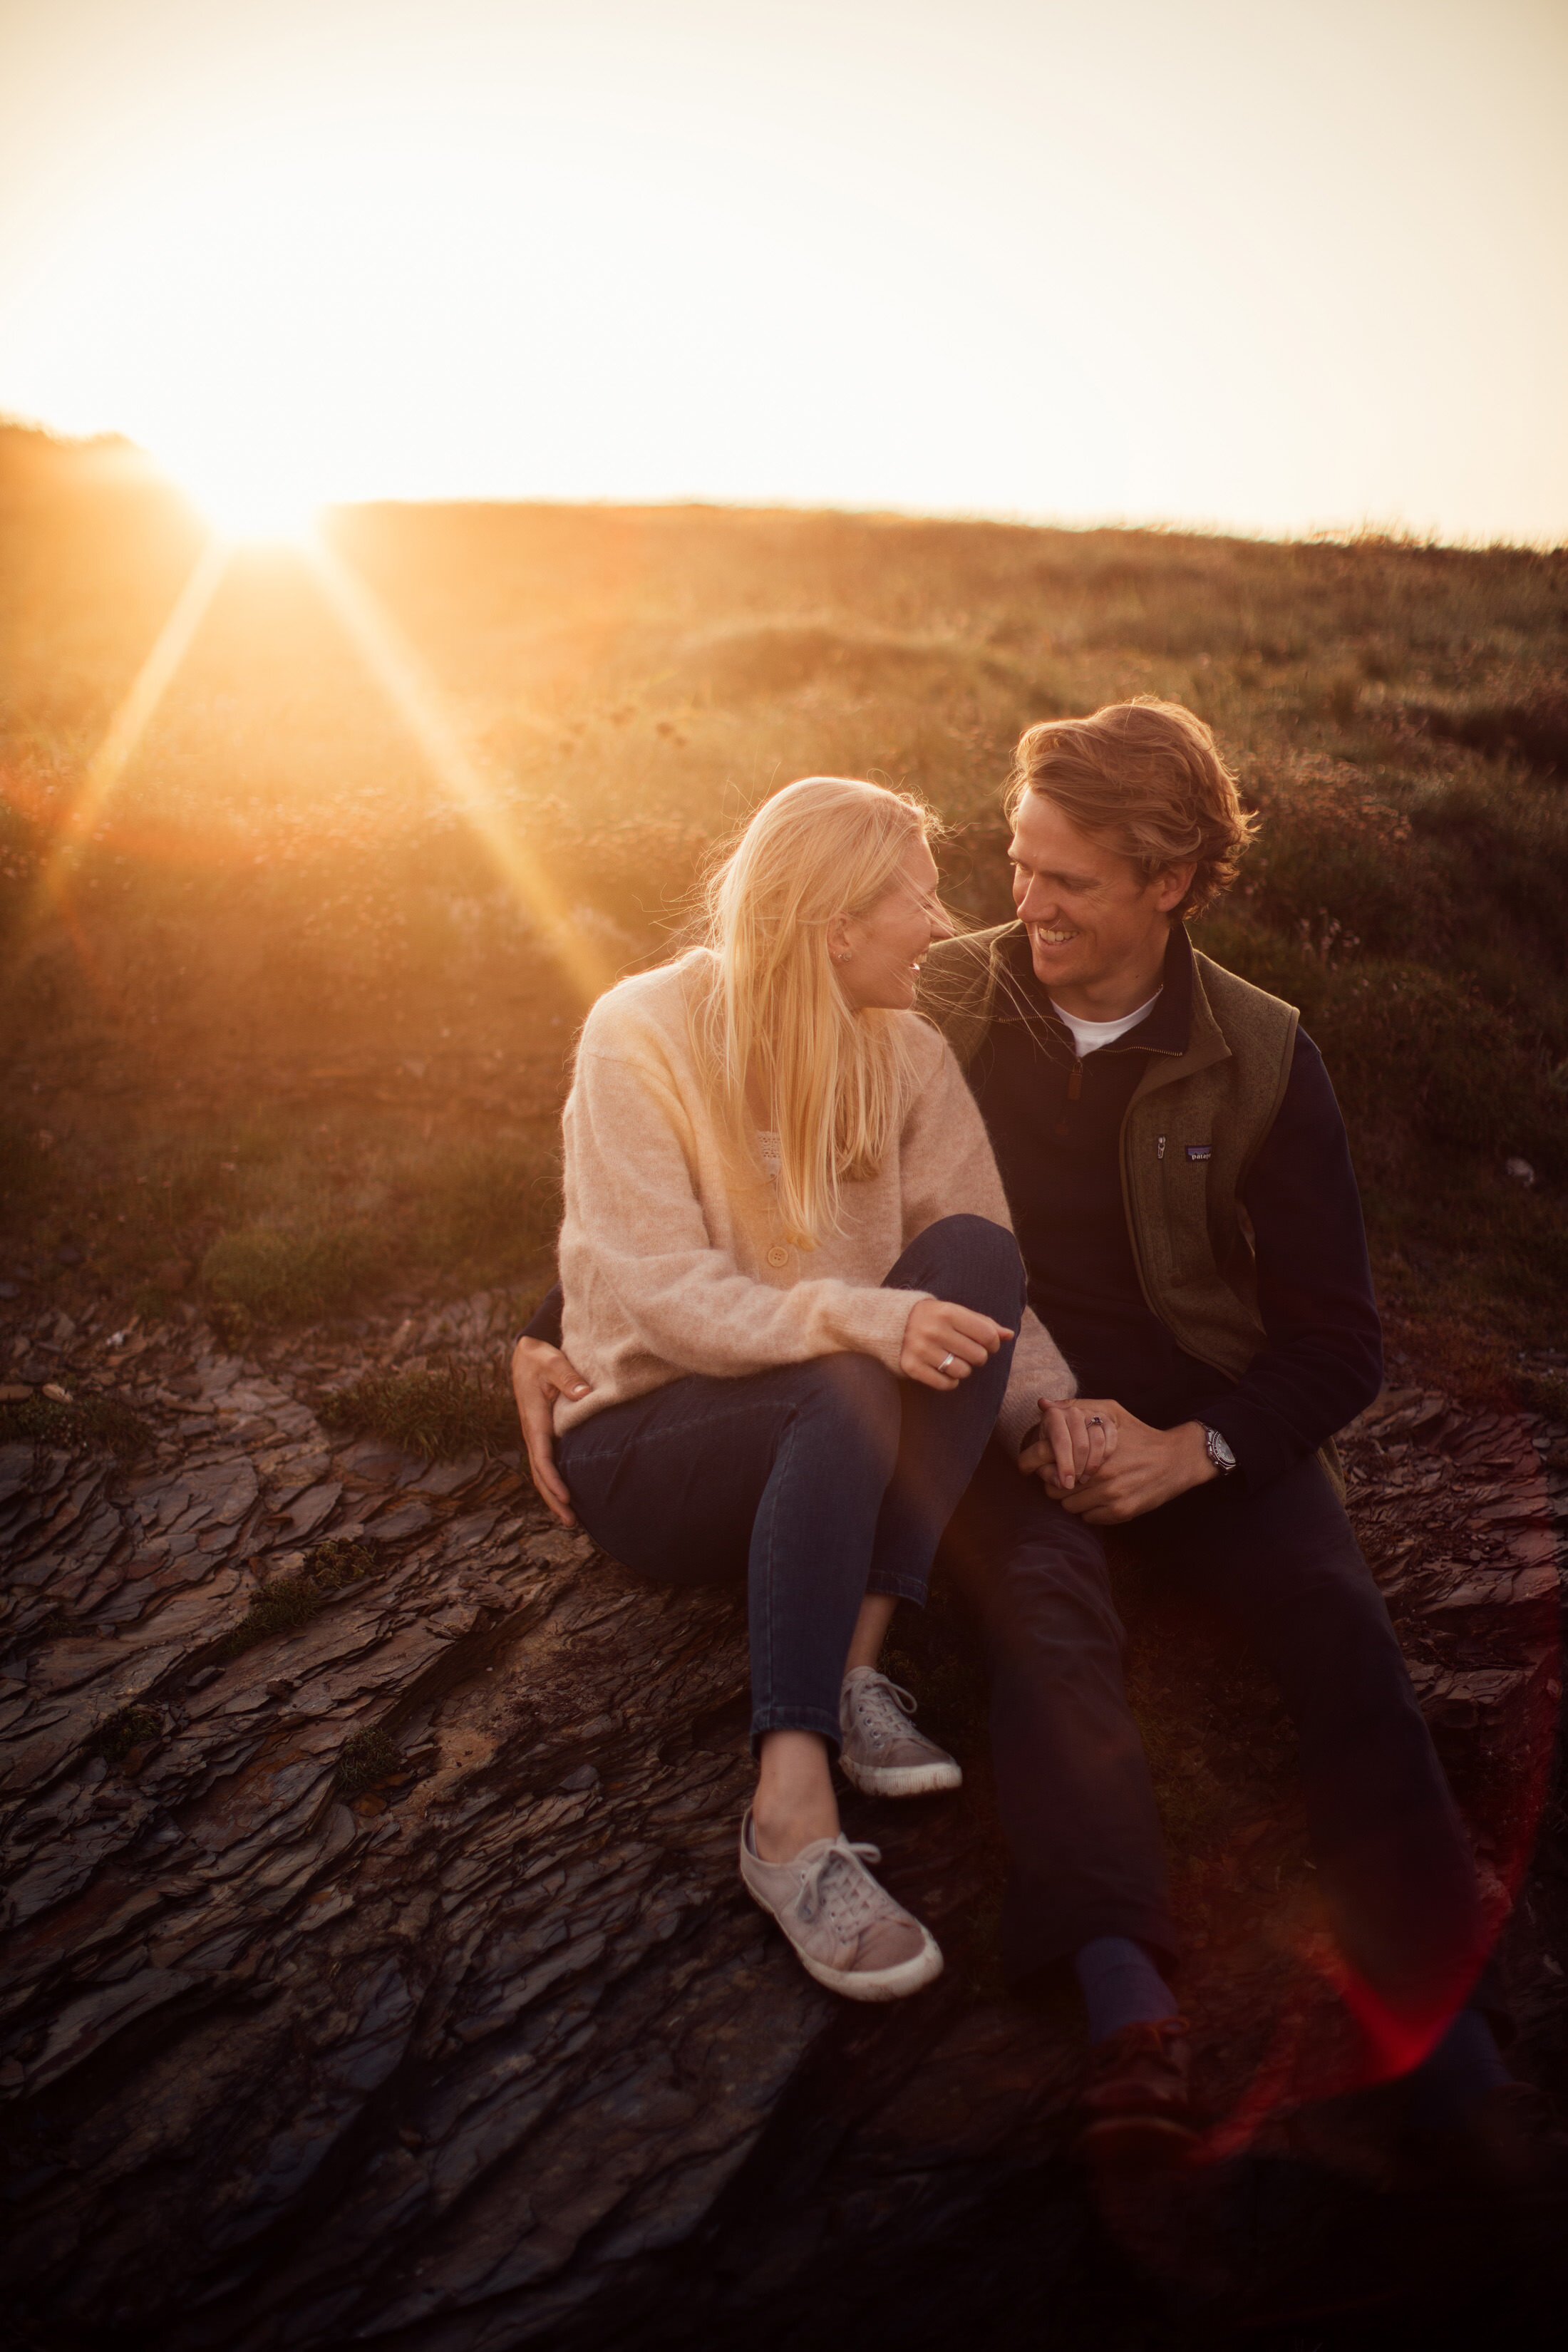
1181 1185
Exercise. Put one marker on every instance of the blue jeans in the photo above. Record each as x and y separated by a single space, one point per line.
818 1482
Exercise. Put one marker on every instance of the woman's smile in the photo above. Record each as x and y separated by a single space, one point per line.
879 958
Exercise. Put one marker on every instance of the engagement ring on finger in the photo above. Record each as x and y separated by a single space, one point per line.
945 1361
1093 1421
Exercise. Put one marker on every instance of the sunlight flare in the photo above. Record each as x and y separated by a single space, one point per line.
393 662
131 721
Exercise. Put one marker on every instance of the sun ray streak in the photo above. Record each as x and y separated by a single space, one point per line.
130 722
393 662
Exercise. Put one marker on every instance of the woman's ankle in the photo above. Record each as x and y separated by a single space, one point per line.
781 1830
780 1837
870 1631
794 1804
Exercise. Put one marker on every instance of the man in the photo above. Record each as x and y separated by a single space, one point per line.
1182 1189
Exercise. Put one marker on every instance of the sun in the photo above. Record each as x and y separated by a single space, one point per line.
258 512
251 496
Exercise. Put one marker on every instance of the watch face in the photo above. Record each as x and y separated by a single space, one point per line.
1219 1451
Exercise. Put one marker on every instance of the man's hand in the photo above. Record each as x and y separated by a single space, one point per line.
1147 1467
541 1373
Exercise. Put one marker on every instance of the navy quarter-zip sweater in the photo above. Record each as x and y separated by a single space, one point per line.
1055 1124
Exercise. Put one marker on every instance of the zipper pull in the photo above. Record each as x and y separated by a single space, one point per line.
1159 1147
1075 1082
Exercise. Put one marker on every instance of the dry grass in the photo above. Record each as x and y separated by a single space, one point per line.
442 1415
293 1046
289 1603
91 1421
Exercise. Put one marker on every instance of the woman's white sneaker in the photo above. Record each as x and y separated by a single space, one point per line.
882 1753
847 1931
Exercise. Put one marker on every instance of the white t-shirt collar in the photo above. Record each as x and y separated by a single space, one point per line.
1088 1037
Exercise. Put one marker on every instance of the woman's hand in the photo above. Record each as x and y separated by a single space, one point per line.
943 1343
1077 1437
541 1373
1152 1465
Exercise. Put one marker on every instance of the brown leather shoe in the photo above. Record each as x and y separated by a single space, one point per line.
1136 2107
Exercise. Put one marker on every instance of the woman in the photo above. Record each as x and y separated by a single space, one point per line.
791 1289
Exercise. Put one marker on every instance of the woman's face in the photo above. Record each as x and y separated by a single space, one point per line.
877 955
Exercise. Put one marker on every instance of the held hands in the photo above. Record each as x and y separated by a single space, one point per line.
1135 1470
541 1373
943 1343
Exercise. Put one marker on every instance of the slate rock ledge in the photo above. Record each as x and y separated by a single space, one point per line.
385 1977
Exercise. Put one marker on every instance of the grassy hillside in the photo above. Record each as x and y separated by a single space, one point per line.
288 1043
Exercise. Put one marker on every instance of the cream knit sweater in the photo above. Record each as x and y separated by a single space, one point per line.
669 1265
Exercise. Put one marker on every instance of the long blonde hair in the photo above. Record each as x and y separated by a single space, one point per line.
836 1082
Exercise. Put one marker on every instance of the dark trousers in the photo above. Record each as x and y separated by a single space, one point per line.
816 1482
1282 1566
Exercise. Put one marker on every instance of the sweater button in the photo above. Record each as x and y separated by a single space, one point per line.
778 1255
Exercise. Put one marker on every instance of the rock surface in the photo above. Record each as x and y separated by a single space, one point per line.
388 1981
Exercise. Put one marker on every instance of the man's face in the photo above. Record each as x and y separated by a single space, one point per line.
1092 920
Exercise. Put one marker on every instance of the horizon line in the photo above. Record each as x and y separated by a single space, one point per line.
1370 532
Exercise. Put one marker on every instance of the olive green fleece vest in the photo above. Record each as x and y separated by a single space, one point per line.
1189 1136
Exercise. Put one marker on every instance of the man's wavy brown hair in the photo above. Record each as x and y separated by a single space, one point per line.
1146 778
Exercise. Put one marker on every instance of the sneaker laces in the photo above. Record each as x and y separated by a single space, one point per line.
839 1885
881 1710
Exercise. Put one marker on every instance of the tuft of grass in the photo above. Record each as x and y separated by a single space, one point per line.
279 1277
230 1323
133 1727
88 1421
1547 1393
365 1759
286 1604
339 1560
441 1414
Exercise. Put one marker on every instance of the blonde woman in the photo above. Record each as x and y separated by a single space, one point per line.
792 1292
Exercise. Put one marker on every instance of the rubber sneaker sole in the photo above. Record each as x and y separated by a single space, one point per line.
901 1779
865 1984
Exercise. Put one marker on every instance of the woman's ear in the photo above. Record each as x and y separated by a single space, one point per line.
839 941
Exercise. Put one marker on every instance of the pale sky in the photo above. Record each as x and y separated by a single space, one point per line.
1270 264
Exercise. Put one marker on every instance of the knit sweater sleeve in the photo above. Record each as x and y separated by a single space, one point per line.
949 1169
630 1198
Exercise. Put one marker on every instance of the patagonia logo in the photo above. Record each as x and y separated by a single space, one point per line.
1200 1151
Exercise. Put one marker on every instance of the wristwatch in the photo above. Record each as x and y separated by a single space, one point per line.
1218 1452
